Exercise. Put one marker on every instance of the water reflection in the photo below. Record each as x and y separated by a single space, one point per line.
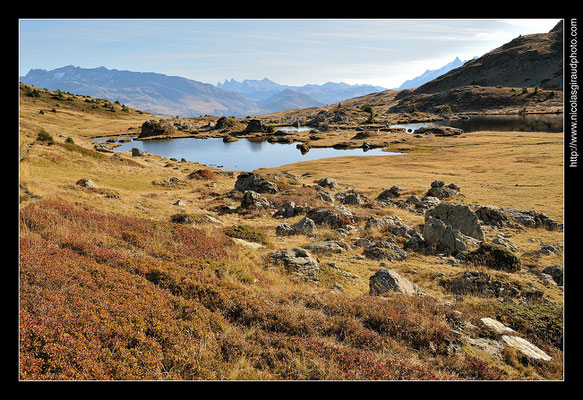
242 155
518 123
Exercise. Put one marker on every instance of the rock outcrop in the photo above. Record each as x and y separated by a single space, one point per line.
385 281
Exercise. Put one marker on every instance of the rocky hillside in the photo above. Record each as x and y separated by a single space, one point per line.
527 61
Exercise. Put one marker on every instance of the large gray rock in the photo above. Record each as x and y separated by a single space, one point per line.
439 190
385 281
532 219
87 183
444 238
334 217
556 272
250 181
526 348
388 194
296 260
328 246
160 127
252 199
328 182
383 250
304 226
458 216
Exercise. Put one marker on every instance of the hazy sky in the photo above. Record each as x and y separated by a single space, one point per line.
383 52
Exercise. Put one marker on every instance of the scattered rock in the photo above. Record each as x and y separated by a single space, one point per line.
556 272
305 226
477 283
214 220
252 199
88 183
160 127
532 219
383 250
526 348
325 196
103 148
493 256
496 326
284 230
351 198
386 280
439 190
137 152
255 126
297 260
439 237
250 181
458 216
329 183
335 217
388 194
492 216
328 246
439 131
288 210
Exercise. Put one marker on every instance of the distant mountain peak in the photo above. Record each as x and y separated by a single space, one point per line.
429 75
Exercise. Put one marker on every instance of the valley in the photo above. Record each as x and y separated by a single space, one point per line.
442 263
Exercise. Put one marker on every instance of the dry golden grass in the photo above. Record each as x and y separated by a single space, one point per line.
503 169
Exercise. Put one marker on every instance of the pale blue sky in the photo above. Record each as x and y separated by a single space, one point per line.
381 52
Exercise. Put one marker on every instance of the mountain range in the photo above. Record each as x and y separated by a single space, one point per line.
176 96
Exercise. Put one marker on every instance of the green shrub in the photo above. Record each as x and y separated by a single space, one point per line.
44 136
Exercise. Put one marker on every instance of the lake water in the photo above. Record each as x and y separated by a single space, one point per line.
518 123
242 155
293 128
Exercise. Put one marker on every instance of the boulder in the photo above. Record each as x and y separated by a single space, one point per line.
305 226
352 198
328 246
250 181
496 326
296 260
252 199
137 152
383 250
88 183
526 348
284 230
556 272
439 190
444 238
493 256
328 182
438 131
287 210
386 280
532 219
458 216
492 216
255 126
335 217
160 127
388 194
477 283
